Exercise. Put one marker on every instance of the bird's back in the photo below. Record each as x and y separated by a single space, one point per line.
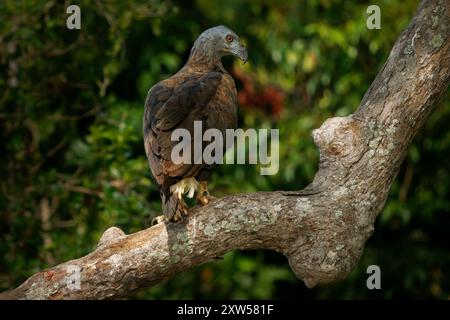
192 94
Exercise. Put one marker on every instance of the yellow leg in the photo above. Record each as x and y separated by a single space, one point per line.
203 195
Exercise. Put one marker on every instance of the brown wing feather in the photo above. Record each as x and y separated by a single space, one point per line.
177 103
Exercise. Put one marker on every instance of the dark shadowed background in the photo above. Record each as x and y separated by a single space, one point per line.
72 156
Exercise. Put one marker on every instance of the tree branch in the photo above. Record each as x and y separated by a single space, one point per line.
322 229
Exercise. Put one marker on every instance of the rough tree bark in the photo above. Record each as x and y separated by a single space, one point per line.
322 229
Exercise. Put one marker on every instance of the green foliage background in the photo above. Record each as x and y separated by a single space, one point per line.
72 156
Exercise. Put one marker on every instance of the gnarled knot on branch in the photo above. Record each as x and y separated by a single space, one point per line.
111 235
342 139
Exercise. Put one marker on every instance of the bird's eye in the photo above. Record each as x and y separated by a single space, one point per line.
229 38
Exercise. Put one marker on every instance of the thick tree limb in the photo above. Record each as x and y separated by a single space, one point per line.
321 230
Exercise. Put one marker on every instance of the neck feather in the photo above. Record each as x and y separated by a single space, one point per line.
200 56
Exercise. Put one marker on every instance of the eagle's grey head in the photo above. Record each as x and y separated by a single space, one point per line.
214 43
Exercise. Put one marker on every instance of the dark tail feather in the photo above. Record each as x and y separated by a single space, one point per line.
172 207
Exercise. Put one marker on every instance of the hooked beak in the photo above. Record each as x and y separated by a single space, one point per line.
242 53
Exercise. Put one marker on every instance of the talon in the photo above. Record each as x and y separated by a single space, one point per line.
203 195
157 220
204 200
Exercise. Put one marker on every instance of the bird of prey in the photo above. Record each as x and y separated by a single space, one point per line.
202 90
